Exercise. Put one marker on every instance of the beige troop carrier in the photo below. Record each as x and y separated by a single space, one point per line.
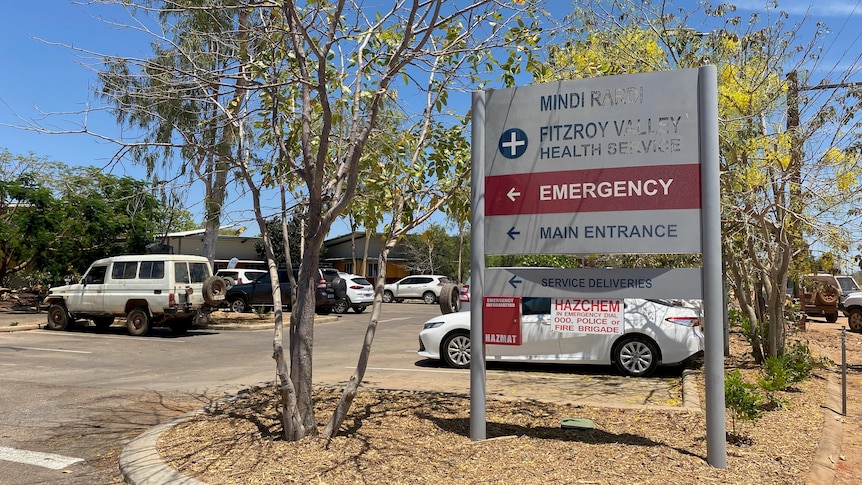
150 290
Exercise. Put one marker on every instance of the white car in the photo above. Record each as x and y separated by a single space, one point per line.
422 287
149 290
239 276
360 294
653 332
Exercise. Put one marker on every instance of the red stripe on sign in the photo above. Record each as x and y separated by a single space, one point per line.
653 187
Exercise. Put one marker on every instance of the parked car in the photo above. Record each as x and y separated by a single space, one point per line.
654 332
852 308
421 287
258 294
823 294
148 290
359 294
239 276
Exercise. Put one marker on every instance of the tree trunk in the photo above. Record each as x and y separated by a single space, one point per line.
352 386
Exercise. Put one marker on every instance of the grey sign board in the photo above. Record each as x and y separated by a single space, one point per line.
661 283
614 121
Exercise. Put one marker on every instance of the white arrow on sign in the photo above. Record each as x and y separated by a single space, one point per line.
512 194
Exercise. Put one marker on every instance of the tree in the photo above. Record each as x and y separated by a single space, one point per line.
288 96
186 98
429 251
57 219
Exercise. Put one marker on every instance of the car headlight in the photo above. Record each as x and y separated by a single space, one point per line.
431 325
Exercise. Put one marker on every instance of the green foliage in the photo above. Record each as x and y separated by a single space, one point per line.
742 399
261 311
48 228
276 235
777 376
534 261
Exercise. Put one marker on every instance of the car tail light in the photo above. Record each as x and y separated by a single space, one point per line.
684 321
239 280
321 283
465 293
355 287
172 301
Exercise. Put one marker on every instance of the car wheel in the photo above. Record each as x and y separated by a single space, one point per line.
341 306
456 350
635 356
429 297
388 296
854 320
214 289
450 301
359 308
831 317
239 305
58 317
229 281
103 323
138 321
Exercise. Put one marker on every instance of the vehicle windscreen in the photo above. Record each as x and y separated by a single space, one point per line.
848 285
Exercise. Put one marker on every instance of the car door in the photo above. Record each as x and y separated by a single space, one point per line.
89 294
414 287
261 291
594 345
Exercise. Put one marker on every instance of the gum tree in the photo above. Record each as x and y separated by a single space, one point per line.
298 99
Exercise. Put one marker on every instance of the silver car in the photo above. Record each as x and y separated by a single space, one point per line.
420 287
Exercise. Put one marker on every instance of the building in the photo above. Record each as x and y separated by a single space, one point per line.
344 253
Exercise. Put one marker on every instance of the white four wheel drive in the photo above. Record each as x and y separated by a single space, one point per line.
852 309
150 290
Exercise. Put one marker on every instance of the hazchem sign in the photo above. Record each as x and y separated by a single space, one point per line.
587 315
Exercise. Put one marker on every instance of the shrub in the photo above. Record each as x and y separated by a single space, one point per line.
742 399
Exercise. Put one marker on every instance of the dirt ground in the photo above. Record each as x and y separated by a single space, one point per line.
400 436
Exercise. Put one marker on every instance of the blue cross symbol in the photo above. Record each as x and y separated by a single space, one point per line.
513 143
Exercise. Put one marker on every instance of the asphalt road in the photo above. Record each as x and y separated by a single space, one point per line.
73 399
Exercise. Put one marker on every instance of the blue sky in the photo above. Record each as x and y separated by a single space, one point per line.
44 76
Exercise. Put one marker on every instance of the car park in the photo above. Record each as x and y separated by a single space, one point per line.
359 294
420 287
258 294
654 332
239 276
149 290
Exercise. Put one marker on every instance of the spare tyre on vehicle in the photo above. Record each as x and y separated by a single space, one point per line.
450 301
214 289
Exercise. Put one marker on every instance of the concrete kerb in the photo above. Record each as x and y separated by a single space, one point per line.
141 464
822 470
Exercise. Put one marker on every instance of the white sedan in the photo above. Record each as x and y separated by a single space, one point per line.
653 332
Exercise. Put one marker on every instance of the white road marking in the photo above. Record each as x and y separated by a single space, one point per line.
45 460
45 350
